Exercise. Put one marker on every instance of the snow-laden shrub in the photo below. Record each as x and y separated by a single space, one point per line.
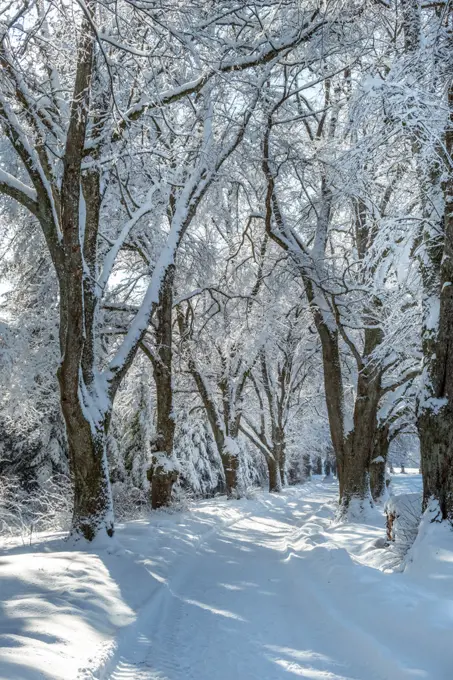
129 502
47 507
403 518
33 451
253 468
32 435
132 429
201 472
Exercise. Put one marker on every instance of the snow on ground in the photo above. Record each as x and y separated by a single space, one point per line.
268 588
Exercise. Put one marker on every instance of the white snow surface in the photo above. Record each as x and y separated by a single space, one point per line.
267 588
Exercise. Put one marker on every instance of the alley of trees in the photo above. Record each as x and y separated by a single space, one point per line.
226 251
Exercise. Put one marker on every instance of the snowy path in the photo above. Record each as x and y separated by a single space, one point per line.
266 589
271 596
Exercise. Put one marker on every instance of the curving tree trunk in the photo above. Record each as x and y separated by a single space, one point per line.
226 445
230 462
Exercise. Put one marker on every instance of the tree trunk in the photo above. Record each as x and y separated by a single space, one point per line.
355 478
93 509
230 463
230 458
333 386
318 466
163 472
327 467
275 405
435 421
325 323
281 455
279 451
334 468
85 413
436 449
82 402
435 248
274 475
355 474
306 466
379 462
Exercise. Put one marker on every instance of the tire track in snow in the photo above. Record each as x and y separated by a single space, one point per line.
128 656
260 597
181 625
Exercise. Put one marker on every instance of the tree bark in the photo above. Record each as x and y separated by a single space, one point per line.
379 462
355 474
280 453
229 463
274 475
86 417
435 418
162 473
435 411
318 466
92 510
275 406
333 387
435 421
231 467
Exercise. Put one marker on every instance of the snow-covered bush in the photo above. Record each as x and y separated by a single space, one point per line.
201 472
129 501
132 429
45 507
403 519
253 465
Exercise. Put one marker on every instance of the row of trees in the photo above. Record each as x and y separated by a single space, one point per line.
250 202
